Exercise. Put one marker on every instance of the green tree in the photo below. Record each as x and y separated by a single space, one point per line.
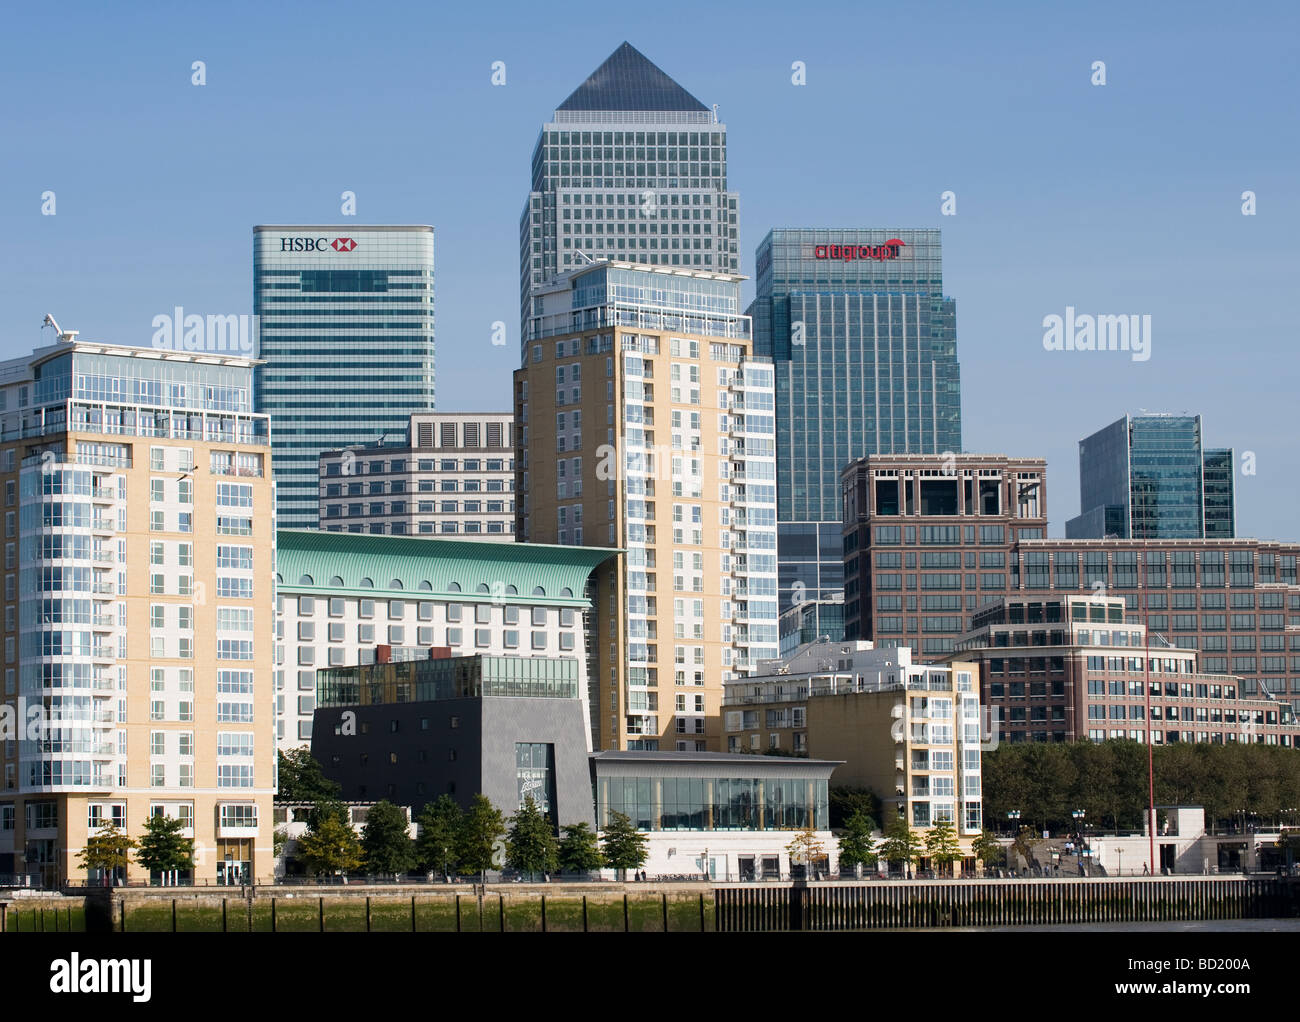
108 850
988 849
901 844
857 846
843 802
327 807
481 828
579 850
330 847
162 848
302 779
625 847
530 844
439 839
941 846
386 840
805 849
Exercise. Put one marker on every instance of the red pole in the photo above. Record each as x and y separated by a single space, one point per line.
1146 684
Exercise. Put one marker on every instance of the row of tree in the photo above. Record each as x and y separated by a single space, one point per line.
160 849
1046 783
901 845
452 840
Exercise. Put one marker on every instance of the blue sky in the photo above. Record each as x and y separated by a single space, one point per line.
1115 199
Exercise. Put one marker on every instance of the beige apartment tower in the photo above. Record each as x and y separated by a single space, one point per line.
644 423
139 653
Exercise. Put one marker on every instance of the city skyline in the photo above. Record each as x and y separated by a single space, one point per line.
1035 233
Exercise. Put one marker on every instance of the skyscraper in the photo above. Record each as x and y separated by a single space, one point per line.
1148 477
346 329
865 350
644 423
631 167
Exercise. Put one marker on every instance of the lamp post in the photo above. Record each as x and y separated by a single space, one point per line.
1013 817
1079 815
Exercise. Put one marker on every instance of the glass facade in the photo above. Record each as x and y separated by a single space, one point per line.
418 681
1148 477
633 167
865 348
714 803
346 331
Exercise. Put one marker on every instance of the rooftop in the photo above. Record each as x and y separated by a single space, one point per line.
627 80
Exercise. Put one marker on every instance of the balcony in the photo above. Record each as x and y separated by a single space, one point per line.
102 523
104 588
103 653
103 494
103 621
103 556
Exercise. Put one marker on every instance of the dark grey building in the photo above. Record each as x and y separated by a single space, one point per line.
505 726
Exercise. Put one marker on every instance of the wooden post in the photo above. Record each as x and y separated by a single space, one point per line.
584 913
413 930
367 913
543 913
701 911
627 927
665 902
173 915
273 919
42 919
225 920
4 911
458 913
56 919
501 908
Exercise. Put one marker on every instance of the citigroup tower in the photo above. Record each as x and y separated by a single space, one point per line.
865 349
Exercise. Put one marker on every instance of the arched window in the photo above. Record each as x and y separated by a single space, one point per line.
539 591
454 587
337 580
367 583
511 591
567 593
396 584
483 587
426 586
306 580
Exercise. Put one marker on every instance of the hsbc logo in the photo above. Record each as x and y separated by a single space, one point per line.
317 244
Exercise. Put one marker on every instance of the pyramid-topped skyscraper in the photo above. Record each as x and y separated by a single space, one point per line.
632 167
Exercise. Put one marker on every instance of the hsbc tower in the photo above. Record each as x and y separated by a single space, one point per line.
345 322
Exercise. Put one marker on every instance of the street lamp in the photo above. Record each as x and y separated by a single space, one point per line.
1013 817
1079 815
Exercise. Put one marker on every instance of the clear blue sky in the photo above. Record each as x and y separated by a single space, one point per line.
1123 198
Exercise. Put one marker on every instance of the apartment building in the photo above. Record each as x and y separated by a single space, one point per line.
1066 668
342 595
644 423
909 732
139 544
453 476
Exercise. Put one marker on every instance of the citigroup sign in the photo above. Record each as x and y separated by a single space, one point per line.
317 244
848 253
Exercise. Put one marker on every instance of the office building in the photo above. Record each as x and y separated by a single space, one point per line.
724 816
631 167
927 540
139 550
909 732
645 424
1066 668
453 476
345 317
1149 477
507 727
1237 601
810 620
341 596
864 346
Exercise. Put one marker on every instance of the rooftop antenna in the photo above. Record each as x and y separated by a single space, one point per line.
64 335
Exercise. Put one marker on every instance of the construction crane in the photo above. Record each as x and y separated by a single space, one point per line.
64 335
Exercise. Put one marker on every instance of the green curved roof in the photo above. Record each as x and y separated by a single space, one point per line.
442 563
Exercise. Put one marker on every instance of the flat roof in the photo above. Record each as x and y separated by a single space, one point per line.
667 756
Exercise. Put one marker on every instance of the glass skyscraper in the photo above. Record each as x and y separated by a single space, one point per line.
632 167
865 349
345 319
1148 477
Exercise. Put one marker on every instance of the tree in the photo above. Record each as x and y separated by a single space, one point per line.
107 851
625 847
988 849
162 848
439 838
843 802
481 828
1023 845
857 846
901 844
386 841
806 848
330 847
328 807
302 779
579 850
530 845
941 846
